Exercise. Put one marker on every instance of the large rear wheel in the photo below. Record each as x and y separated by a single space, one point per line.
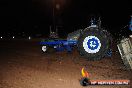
93 43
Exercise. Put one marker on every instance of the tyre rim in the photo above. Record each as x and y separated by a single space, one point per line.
91 44
44 48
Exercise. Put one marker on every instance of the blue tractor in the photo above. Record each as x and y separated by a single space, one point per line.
93 42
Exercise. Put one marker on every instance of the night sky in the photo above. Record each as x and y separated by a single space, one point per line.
37 15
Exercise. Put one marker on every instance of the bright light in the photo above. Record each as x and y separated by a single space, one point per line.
1 37
57 6
131 36
13 37
29 37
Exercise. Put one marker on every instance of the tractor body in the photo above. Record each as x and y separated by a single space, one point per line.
92 42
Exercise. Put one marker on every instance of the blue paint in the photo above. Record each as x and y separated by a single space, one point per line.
58 42
93 44
130 24
61 45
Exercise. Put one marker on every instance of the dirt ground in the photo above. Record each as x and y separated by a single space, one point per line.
23 65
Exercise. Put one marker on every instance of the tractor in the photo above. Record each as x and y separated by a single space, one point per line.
93 42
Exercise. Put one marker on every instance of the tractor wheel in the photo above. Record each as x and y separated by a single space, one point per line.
93 43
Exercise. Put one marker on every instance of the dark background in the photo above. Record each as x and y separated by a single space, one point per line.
35 17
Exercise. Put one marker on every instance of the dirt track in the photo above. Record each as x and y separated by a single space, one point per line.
22 65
